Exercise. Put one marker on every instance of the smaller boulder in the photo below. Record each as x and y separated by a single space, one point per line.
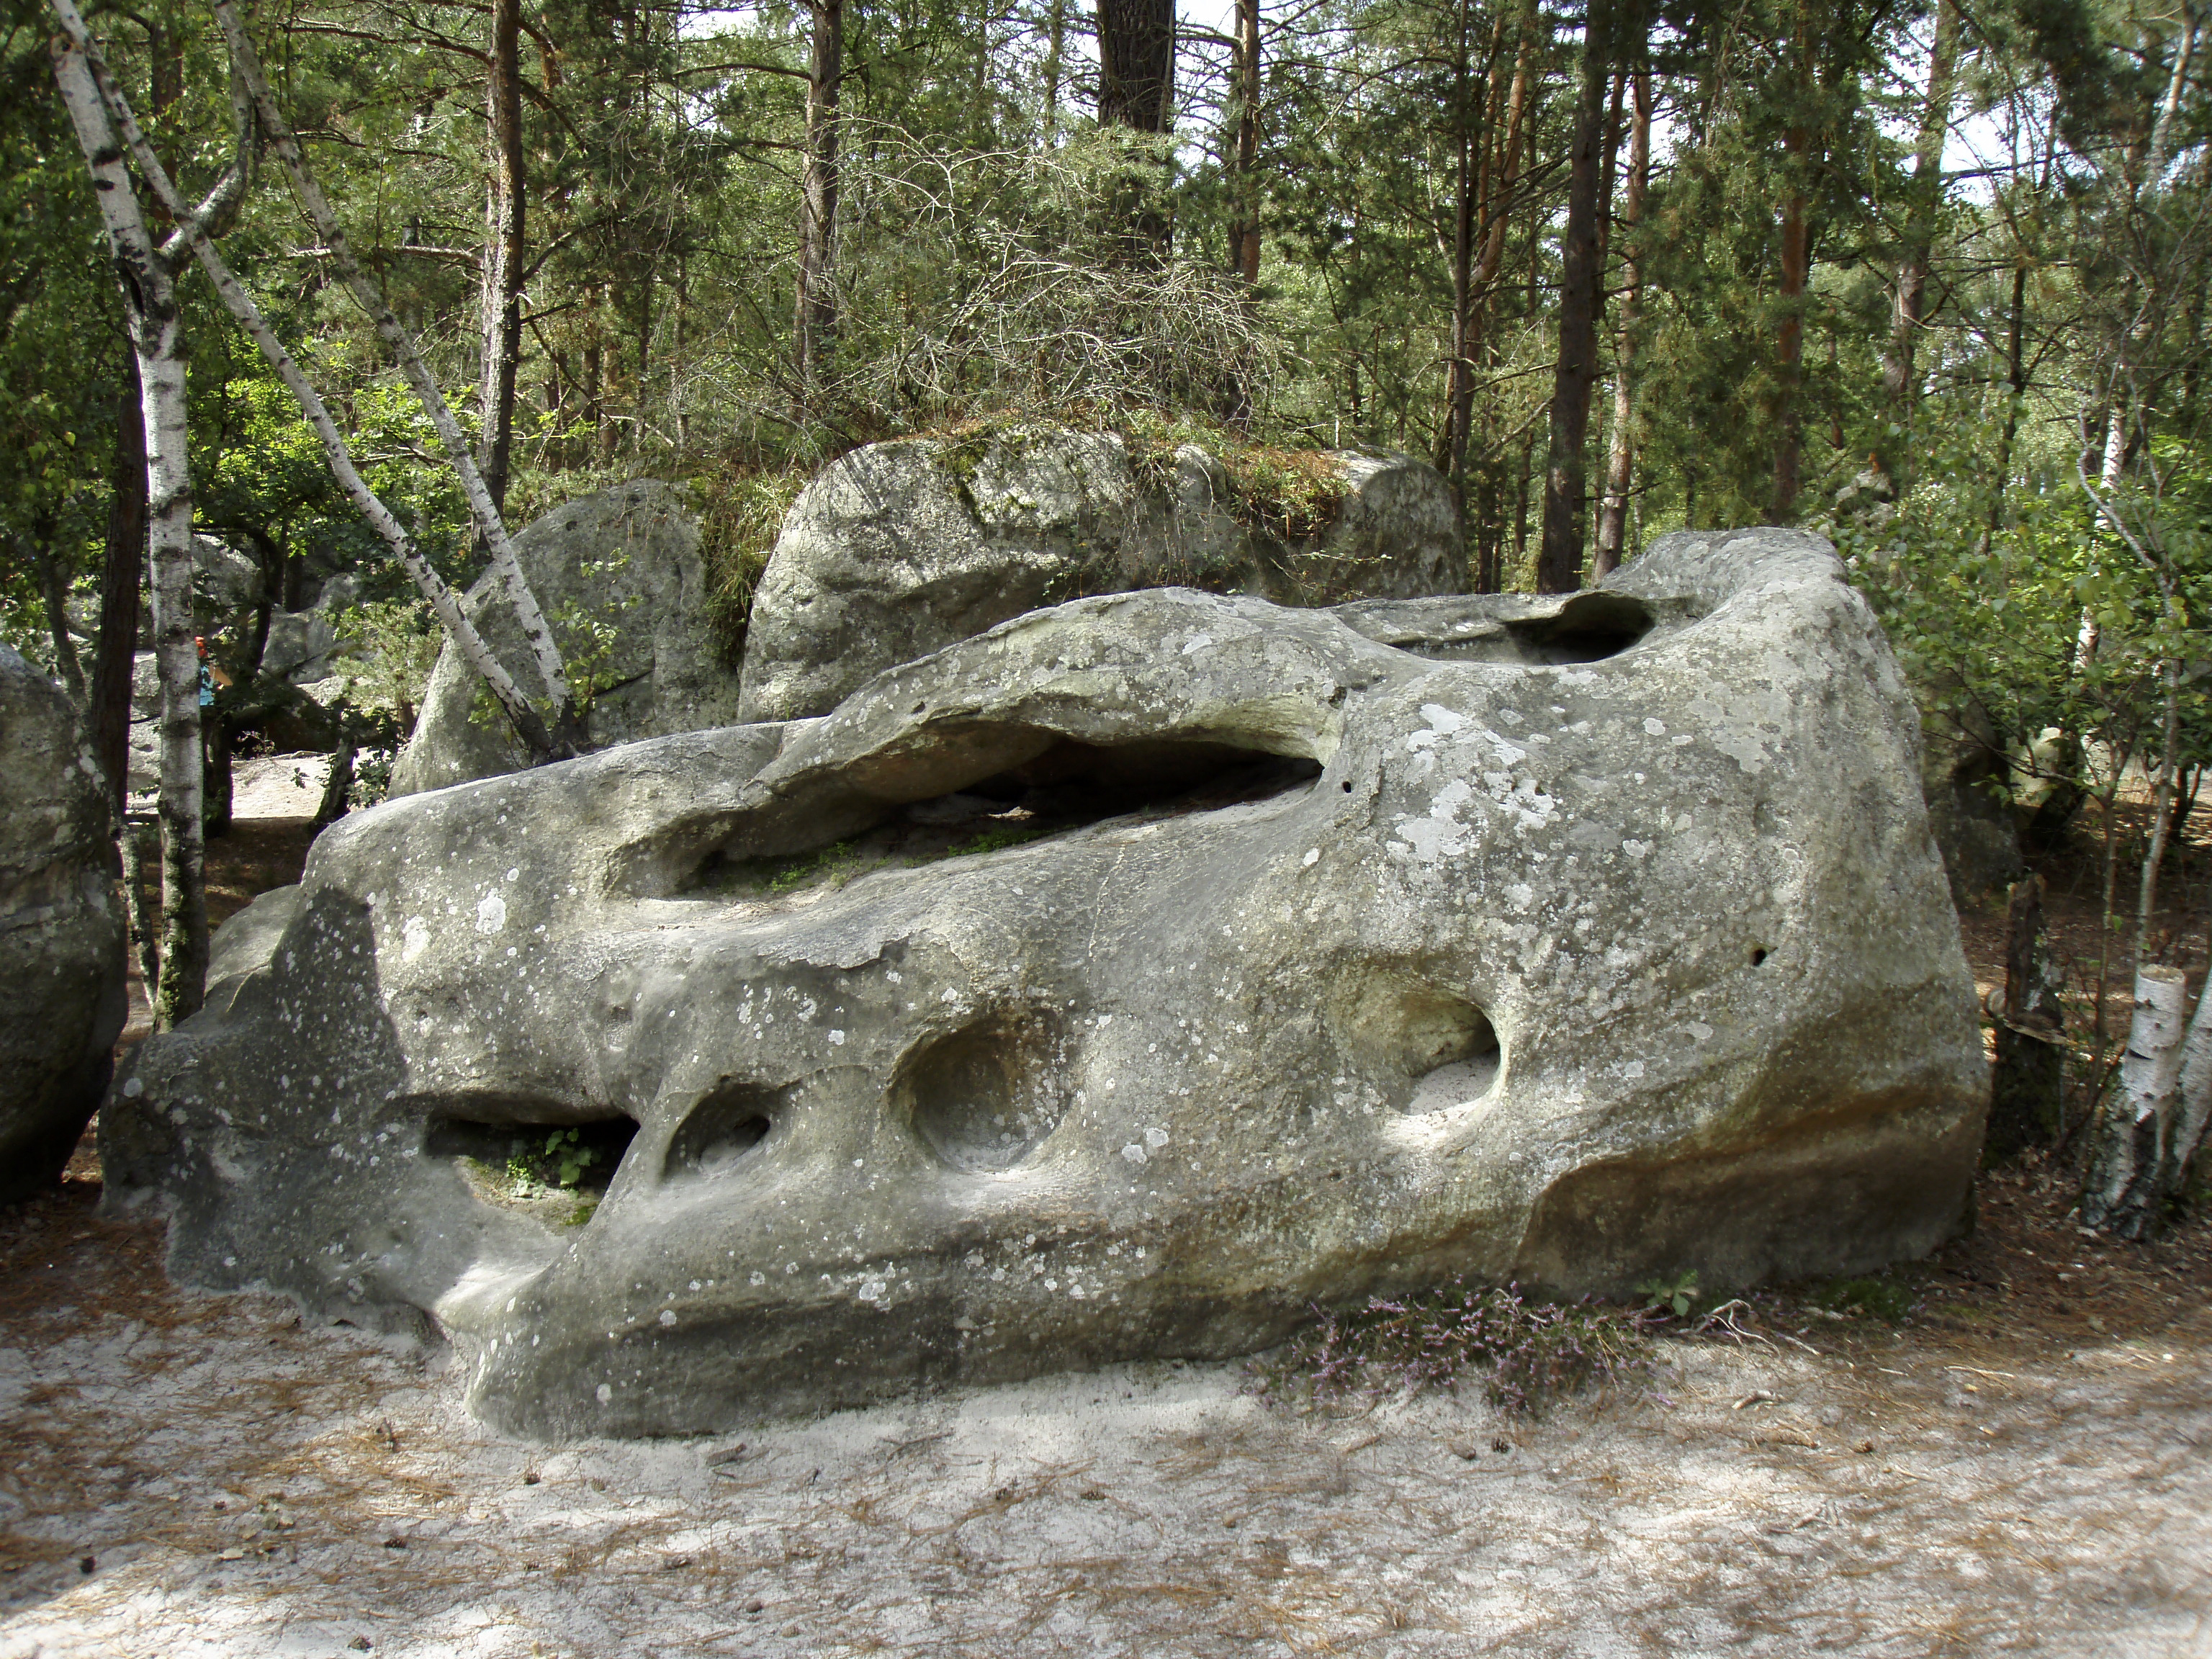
61 931
618 576
901 548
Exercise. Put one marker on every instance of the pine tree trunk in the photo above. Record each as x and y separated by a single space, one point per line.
1559 557
1244 234
505 250
1620 467
1136 63
1897 377
815 333
1790 339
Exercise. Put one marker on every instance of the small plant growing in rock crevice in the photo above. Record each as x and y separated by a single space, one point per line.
1525 1354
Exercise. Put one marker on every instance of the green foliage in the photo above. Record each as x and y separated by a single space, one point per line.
997 840
389 647
741 513
1676 1295
560 1162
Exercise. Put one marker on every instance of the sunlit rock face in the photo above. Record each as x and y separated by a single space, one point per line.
61 930
1120 982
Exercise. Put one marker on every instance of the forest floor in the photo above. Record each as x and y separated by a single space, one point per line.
2014 1459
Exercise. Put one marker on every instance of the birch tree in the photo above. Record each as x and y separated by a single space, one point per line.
146 273
197 234
566 735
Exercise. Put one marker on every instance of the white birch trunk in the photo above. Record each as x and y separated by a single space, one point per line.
2193 1109
474 649
529 615
2137 1130
149 288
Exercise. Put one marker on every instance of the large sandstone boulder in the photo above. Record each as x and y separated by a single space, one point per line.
899 549
1120 982
61 931
619 575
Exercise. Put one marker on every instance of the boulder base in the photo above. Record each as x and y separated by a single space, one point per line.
1120 982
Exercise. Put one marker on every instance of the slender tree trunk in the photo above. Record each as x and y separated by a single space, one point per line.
505 250
138 839
2163 790
1244 234
1620 465
1488 168
1055 38
146 279
2016 384
1559 560
54 587
1790 339
122 574
1925 199
815 333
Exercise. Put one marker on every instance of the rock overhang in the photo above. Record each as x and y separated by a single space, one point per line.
1574 970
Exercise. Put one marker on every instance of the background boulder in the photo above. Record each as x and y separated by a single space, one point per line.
900 549
620 578
61 930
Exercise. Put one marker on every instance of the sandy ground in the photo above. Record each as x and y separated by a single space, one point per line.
2020 1466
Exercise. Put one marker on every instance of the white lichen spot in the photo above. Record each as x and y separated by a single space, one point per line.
414 939
603 1393
1134 1153
1657 728
491 914
667 1316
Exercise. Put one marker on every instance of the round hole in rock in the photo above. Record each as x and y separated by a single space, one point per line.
1758 955
1431 1047
985 1097
718 1134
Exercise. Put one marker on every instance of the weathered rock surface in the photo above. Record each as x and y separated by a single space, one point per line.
619 575
1566 941
900 549
61 931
